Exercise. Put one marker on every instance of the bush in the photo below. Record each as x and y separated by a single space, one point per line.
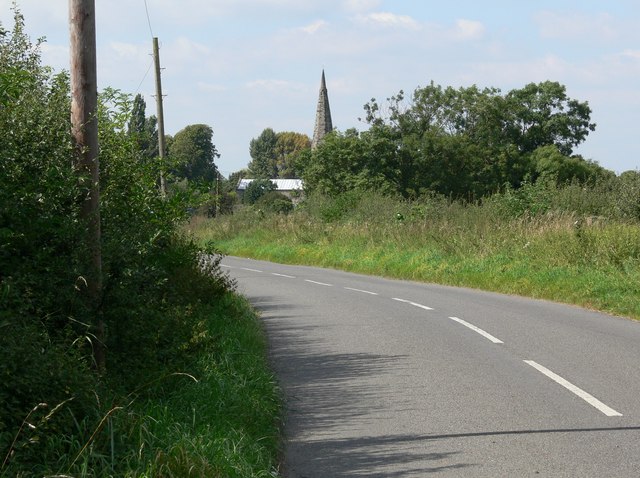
275 202
256 189
53 400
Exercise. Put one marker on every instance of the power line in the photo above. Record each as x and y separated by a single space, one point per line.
146 7
145 75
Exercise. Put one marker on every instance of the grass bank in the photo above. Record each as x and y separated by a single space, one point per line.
565 256
216 415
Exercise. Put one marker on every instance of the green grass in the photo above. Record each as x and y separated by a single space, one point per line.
227 423
219 417
559 256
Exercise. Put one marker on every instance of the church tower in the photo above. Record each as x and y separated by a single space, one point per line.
323 115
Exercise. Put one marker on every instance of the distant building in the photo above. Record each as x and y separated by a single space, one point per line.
292 188
323 115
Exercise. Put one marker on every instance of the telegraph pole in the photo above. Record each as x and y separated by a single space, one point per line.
161 145
84 129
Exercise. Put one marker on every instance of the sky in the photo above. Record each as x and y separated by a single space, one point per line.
241 66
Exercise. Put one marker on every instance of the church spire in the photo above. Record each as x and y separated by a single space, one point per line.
323 115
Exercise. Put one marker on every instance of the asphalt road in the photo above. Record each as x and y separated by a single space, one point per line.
386 378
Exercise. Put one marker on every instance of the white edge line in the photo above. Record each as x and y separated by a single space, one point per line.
319 283
282 275
415 304
250 270
363 291
590 399
486 335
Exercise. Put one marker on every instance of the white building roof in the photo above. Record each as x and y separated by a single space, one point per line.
281 184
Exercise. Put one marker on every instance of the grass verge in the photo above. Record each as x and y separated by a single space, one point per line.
555 256
220 417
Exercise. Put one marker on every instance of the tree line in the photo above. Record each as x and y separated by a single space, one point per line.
463 143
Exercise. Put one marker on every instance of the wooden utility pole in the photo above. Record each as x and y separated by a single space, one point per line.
161 145
84 128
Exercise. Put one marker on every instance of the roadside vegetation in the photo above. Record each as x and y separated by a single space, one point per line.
573 243
464 186
185 389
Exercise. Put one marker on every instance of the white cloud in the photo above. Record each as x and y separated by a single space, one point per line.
632 54
313 27
576 26
129 51
388 19
361 5
469 29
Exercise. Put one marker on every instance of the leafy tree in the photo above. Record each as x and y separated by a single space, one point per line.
193 153
275 155
256 189
542 114
263 155
551 164
289 145
143 129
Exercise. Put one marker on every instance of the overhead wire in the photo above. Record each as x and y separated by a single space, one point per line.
146 9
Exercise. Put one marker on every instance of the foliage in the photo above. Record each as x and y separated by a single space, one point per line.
193 153
276 202
465 143
263 155
566 242
41 314
166 305
275 155
143 129
289 146
256 189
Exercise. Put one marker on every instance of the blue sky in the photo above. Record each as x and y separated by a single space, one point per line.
243 65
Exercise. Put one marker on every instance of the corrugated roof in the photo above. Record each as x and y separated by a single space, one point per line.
281 184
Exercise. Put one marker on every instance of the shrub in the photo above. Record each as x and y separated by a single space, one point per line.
256 189
275 202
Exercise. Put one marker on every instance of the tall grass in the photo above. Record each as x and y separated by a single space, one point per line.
221 419
565 244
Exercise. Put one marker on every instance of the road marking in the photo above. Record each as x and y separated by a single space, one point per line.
282 275
227 267
319 283
590 399
363 291
413 303
486 335
250 270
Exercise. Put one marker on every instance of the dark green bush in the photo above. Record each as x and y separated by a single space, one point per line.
256 189
275 202
52 398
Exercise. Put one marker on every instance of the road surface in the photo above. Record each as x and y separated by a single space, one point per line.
386 378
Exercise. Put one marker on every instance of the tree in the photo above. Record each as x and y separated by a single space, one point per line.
289 145
550 163
193 153
263 155
143 129
542 114
256 189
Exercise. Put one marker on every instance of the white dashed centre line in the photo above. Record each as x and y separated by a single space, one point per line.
363 291
413 304
282 275
227 267
486 335
319 283
250 270
590 399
